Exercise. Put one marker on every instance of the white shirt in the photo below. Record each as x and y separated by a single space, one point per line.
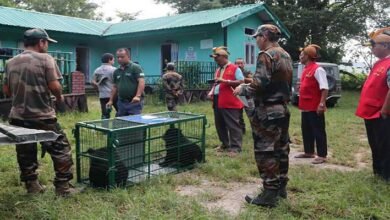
320 76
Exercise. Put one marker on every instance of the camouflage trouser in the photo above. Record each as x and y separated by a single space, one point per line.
171 101
242 121
271 144
59 150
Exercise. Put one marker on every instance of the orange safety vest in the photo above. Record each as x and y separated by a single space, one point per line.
226 99
309 91
374 91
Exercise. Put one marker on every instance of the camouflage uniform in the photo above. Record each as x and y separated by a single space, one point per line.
248 109
173 85
28 75
251 104
270 118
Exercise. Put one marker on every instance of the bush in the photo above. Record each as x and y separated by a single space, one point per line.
353 81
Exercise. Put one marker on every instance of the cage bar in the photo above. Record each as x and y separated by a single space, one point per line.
128 150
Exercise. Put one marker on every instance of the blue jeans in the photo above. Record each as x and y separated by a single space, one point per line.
125 107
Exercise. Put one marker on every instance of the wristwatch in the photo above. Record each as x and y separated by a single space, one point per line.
322 105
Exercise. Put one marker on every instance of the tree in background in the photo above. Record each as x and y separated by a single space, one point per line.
7 3
184 6
327 23
74 8
127 16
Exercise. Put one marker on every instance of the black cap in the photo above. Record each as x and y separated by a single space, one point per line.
38 33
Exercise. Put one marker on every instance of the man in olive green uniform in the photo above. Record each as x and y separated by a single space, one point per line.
173 85
30 78
270 120
129 85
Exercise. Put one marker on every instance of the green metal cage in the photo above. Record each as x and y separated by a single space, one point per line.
128 150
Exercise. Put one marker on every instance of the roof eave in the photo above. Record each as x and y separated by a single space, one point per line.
261 7
242 15
51 30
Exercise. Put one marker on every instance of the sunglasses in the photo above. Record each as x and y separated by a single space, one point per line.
372 43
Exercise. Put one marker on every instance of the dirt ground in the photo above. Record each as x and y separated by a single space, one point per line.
229 196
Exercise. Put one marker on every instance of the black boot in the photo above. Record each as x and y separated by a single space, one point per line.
268 198
283 190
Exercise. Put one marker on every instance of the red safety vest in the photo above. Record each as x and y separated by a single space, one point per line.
374 91
226 99
309 90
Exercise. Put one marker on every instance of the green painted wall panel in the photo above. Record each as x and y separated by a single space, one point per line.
146 49
237 39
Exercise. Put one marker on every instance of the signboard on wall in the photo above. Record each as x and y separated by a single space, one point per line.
206 44
190 54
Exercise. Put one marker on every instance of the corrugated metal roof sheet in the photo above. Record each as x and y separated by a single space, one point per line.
31 19
182 20
224 16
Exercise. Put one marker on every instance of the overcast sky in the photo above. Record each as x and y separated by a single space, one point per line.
148 7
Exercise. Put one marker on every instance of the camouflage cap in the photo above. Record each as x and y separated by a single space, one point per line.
265 28
311 50
38 33
220 51
171 65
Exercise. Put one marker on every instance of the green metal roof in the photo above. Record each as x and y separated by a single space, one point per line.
223 16
32 19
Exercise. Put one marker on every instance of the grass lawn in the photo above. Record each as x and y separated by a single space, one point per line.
314 193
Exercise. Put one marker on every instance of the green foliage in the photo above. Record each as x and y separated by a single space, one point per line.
73 8
184 6
353 81
327 23
127 16
8 3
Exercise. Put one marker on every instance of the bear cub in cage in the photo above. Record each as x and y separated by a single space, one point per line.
188 154
98 169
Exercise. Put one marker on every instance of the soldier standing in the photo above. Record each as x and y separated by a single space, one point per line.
34 74
173 85
270 118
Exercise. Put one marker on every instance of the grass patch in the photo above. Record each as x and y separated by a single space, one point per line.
313 193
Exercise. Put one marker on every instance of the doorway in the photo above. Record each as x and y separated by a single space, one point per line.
165 56
169 53
82 61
